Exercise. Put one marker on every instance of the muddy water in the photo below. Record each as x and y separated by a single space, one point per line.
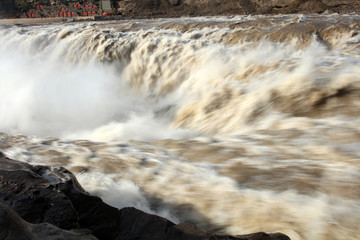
237 124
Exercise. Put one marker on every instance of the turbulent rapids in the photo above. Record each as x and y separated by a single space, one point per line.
237 124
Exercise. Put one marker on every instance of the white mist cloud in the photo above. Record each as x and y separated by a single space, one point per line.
85 100
40 99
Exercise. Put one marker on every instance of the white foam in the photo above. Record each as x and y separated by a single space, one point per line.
66 89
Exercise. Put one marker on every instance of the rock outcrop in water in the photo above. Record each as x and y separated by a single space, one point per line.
165 8
38 202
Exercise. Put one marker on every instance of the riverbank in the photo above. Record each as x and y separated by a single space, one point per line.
174 8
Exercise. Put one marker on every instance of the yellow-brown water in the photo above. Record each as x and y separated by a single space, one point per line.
241 124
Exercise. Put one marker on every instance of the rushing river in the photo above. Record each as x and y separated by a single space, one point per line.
237 124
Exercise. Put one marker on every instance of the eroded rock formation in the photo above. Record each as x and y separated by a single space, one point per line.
170 8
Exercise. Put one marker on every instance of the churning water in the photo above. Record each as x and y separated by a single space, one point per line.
237 124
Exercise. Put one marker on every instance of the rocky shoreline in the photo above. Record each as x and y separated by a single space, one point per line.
39 202
171 8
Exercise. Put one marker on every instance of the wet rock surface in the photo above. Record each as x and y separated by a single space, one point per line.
12 226
35 196
39 202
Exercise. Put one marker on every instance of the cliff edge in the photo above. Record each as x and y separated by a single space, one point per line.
170 8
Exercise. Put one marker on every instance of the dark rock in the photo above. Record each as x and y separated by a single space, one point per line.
13 227
33 193
44 195
191 232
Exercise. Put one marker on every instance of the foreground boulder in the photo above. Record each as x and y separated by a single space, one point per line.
32 191
12 226
39 202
